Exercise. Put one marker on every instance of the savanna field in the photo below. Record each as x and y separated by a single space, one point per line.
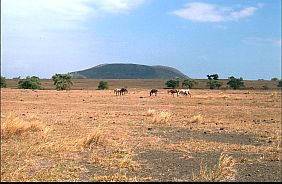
95 135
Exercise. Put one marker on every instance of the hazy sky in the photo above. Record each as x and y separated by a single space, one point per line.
228 37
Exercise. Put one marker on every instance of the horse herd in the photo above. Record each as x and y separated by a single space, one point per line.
122 91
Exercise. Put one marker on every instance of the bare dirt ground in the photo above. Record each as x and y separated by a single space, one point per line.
93 135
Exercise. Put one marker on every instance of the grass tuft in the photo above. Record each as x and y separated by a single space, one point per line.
224 171
13 125
94 138
151 112
196 119
162 117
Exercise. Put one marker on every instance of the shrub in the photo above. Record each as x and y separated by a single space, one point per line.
172 84
188 83
280 83
214 84
30 83
62 81
3 83
235 83
265 87
103 85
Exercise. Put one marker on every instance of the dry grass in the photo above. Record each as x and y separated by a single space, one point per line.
96 137
106 153
115 158
151 112
159 116
162 117
224 171
196 119
15 126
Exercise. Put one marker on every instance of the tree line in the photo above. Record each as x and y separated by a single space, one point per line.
63 82
213 82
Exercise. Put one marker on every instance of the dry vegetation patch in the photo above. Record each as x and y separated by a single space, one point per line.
160 117
224 171
15 126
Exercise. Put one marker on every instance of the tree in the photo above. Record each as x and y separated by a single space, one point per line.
3 83
62 81
172 83
235 83
213 84
280 83
213 77
103 85
188 83
30 83
274 79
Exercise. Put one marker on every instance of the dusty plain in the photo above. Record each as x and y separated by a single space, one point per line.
95 135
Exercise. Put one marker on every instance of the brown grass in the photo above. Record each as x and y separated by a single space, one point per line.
162 117
96 137
15 126
151 112
159 116
196 119
76 150
224 171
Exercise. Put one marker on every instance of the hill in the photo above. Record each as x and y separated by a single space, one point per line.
129 71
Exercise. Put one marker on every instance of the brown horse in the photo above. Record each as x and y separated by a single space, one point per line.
153 91
172 91
121 91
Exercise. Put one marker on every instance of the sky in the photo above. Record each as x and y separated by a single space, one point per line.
240 38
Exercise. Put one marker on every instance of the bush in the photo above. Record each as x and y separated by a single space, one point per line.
172 84
62 81
3 82
188 83
214 84
265 87
30 83
235 83
103 85
280 83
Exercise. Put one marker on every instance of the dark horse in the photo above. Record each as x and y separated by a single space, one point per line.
153 91
172 91
123 91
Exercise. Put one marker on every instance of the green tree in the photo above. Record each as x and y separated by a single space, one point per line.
172 83
214 84
3 82
280 83
274 79
235 83
213 77
189 83
30 83
103 85
62 81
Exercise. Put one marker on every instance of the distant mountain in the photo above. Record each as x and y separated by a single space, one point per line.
129 71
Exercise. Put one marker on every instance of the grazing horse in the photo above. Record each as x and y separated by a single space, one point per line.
172 91
185 92
117 91
123 91
153 91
